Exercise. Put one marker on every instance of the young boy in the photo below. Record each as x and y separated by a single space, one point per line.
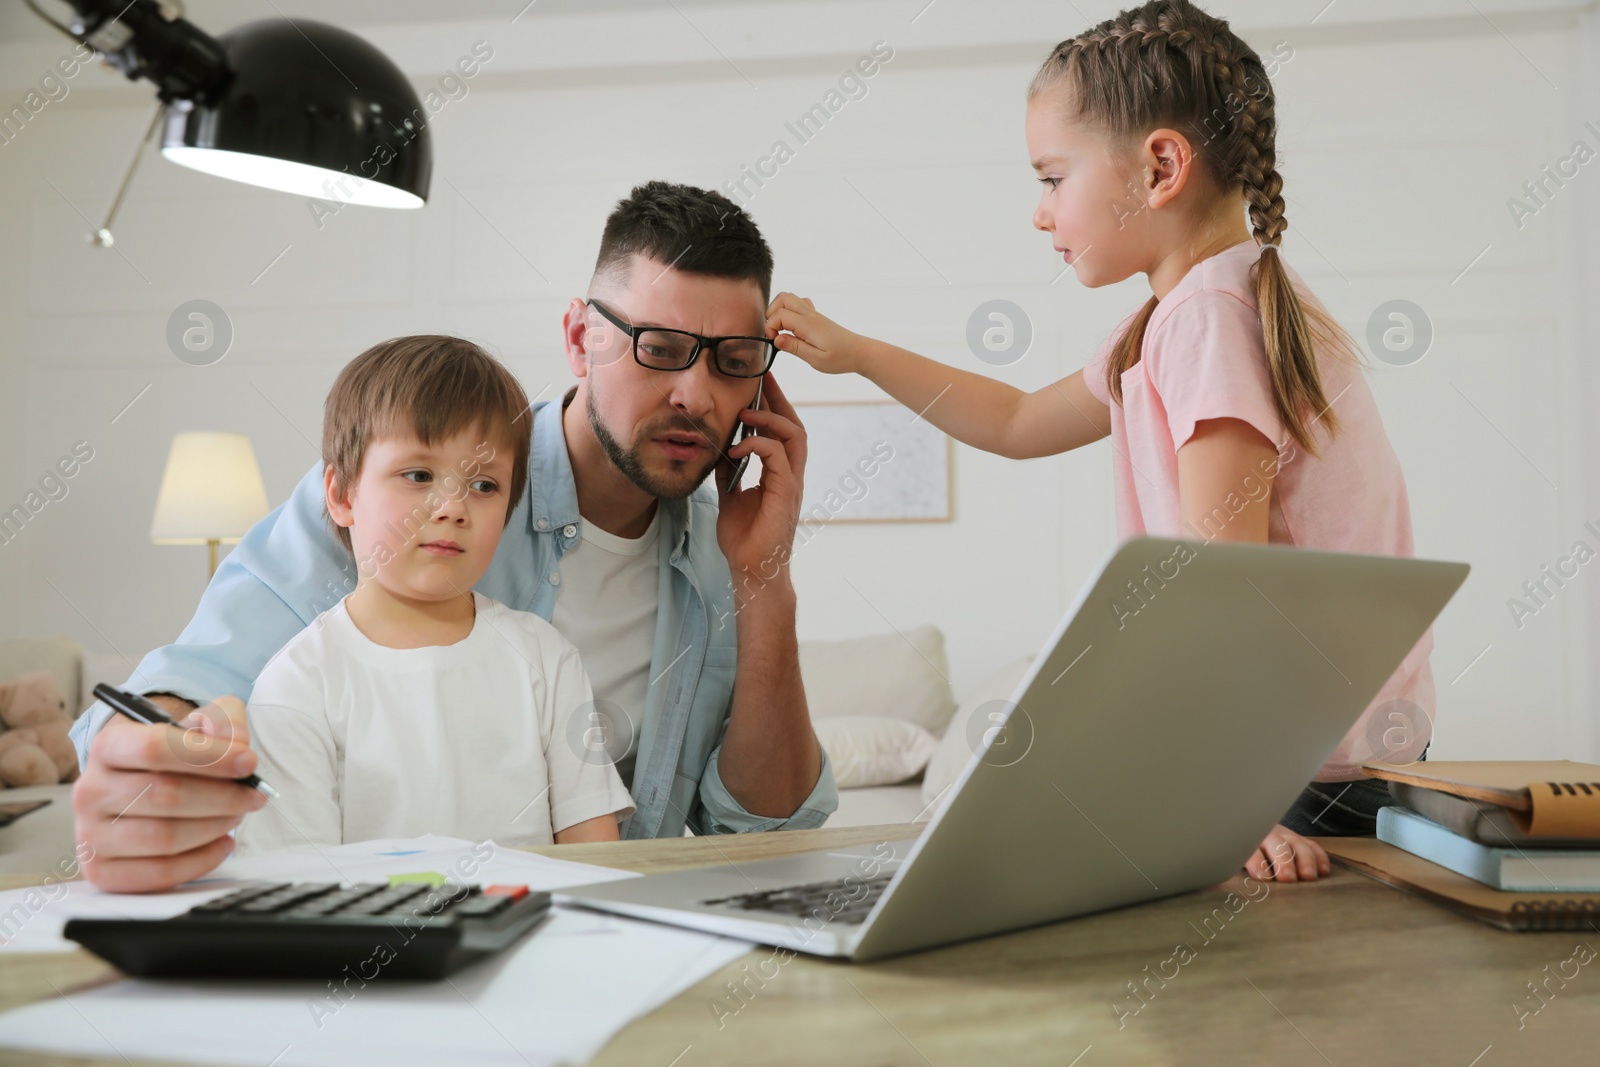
416 705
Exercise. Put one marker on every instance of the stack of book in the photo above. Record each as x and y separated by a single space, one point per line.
1519 842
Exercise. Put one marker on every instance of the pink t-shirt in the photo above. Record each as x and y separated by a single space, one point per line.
1203 357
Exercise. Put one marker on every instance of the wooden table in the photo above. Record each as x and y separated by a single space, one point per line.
1343 971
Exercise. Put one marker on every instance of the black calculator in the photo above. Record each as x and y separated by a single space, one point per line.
323 930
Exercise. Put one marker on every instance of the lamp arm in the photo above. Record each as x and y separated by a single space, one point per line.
103 236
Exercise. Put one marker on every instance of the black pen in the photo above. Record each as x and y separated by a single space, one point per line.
139 709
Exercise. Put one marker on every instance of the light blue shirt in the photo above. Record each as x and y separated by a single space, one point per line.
291 567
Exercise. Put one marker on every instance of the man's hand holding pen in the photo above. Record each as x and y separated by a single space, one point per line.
154 806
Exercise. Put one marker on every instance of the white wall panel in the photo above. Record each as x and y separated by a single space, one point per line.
1399 143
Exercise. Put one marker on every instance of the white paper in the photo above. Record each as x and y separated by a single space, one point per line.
458 859
31 919
557 997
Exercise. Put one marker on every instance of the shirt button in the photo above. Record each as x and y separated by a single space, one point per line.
555 579
543 524
570 530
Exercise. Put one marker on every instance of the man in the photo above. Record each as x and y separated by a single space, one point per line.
690 642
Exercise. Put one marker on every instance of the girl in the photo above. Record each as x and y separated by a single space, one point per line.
1236 406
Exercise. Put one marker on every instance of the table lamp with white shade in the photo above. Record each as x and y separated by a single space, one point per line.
211 492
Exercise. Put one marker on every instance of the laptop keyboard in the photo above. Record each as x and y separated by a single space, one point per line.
847 904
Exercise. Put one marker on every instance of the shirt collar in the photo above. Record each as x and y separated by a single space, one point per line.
553 493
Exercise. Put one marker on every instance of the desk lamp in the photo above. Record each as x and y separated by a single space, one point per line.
287 104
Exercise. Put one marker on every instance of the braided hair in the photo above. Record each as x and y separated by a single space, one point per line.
1170 64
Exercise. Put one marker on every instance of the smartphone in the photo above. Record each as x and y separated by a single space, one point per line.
745 430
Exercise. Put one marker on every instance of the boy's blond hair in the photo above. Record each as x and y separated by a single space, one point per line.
431 386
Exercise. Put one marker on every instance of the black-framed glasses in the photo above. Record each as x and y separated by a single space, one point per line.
659 348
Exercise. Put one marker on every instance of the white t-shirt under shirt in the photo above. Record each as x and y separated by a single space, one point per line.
610 587
466 740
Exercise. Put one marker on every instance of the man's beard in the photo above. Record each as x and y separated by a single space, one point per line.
628 462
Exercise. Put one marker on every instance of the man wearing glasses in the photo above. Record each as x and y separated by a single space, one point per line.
695 666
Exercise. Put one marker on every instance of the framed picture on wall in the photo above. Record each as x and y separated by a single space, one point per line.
874 461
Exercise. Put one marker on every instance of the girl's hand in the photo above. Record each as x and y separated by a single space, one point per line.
818 340
1288 857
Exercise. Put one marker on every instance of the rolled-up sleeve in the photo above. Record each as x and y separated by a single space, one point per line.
720 813
285 571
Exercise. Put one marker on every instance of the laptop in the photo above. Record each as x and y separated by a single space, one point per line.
1171 720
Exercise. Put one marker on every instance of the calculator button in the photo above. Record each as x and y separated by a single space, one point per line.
333 902
220 904
443 899
481 906
515 892
379 903
238 896
314 910
430 905
303 892
357 892
281 900
401 892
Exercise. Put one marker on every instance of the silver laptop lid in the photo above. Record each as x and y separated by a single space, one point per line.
1177 712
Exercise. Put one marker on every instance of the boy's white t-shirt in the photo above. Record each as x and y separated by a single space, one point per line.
465 740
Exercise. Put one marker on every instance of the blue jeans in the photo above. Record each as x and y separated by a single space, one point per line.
1340 809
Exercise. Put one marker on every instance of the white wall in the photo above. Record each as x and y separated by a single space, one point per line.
1399 143
1587 283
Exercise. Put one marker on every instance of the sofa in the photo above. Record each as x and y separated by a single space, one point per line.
884 709
41 839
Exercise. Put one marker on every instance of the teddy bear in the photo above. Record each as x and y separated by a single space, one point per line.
35 748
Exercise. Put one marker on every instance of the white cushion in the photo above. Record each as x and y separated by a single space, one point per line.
955 750
868 750
897 675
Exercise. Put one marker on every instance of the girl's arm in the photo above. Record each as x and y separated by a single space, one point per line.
979 411
1225 473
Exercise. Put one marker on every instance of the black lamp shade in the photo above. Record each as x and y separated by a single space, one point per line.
310 109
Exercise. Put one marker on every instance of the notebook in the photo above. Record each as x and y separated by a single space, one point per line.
1536 870
1477 820
1544 798
1509 911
